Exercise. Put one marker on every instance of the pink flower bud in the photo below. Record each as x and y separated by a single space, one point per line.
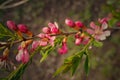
63 49
79 24
22 28
46 30
69 22
78 41
11 25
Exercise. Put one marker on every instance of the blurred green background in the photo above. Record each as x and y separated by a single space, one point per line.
104 62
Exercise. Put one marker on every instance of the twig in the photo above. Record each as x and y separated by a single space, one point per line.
6 2
18 41
4 6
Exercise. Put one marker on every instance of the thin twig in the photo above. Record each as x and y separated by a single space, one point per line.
18 41
6 2
4 6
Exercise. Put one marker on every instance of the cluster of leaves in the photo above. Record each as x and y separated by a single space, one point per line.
6 34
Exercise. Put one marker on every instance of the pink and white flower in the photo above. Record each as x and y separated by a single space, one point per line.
23 54
99 32
54 29
46 39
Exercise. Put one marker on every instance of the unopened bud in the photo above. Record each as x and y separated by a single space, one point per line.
11 25
79 24
22 28
69 22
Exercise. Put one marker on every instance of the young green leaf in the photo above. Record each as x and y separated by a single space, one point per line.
59 70
5 34
86 65
76 62
97 43
45 55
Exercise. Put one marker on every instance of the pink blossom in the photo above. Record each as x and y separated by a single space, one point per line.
35 44
22 28
43 42
46 30
79 24
46 39
23 55
63 49
11 25
78 41
69 22
99 32
82 40
53 28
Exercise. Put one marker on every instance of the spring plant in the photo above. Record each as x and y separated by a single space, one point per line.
50 38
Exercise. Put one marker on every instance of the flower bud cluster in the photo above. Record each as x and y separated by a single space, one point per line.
76 25
20 28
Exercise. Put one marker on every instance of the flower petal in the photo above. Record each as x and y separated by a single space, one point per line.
35 44
104 25
107 33
25 56
90 31
102 37
43 43
19 55
93 26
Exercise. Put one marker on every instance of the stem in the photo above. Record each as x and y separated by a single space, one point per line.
4 6
89 43
86 47
18 41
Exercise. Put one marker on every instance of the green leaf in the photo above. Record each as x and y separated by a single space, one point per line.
76 61
59 70
47 52
86 65
68 60
5 33
97 43
67 68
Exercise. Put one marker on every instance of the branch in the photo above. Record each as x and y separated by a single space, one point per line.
18 41
4 6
